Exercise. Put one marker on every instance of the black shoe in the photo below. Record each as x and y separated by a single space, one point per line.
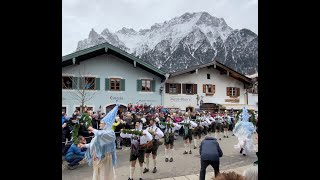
241 150
220 139
130 179
145 170
190 152
139 179
185 152
224 136
244 154
167 160
232 134
195 147
227 136
171 159
154 170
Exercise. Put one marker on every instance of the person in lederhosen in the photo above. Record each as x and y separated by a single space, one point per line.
157 134
169 127
138 147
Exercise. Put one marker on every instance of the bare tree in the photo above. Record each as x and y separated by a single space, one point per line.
82 88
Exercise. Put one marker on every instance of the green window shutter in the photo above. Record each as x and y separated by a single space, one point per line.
97 83
153 85
139 85
75 83
81 82
107 84
123 84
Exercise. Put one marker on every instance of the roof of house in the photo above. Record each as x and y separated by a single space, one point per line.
107 48
219 66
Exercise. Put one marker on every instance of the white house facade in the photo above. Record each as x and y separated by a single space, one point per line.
211 86
106 75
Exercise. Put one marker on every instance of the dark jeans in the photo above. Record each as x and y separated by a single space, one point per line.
74 159
205 164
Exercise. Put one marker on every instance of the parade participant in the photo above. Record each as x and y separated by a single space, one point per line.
188 126
169 127
157 134
197 131
244 130
212 126
127 125
225 125
139 140
101 152
205 123
218 124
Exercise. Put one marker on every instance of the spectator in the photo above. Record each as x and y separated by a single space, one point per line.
229 176
75 154
210 154
251 173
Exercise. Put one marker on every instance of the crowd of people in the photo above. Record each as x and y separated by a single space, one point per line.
144 128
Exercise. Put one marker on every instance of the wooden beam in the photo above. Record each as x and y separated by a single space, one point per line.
196 71
106 49
134 63
73 60
227 73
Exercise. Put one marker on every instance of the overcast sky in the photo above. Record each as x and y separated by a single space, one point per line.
79 16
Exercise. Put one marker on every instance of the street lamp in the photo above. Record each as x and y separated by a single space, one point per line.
161 89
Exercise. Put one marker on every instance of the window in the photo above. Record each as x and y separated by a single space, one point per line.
67 82
233 91
208 76
209 88
146 85
64 109
89 83
189 89
173 88
115 84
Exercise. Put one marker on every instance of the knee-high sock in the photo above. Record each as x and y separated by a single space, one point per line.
189 146
147 163
185 146
226 132
141 171
171 154
155 162
195 142
166 152
131 172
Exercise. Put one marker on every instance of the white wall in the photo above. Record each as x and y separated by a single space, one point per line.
221 82
253 100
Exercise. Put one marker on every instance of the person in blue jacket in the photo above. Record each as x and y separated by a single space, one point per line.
75 154
210 153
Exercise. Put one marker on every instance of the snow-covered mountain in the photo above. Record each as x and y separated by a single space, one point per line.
188 40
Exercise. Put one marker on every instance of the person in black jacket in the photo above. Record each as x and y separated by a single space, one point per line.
210 153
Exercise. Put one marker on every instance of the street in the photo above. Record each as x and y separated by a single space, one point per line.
181 166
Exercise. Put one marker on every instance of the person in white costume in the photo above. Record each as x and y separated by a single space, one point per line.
244 130
101 151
